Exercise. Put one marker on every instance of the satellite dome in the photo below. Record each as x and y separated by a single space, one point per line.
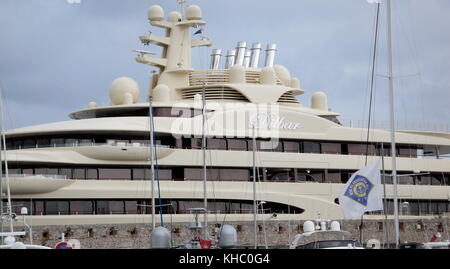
319 101
160 238
268 76
227 236
174 16
124 90
335 226
237 74
193 12
18 245
308 226
283 74
295 83
155 13
161 93
92 105
9 240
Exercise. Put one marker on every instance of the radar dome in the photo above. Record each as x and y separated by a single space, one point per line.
160 238
92 105
319 101
174 16
335 226
9 240
295 83
227 236
18 245
124 90
308 226
155 13
283 74
268 76
237 74
161 93
193 12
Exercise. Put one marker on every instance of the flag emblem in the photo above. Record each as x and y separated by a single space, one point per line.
358 190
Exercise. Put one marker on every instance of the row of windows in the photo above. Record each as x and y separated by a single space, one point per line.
418 207
226 174
182 206
293 146
172 206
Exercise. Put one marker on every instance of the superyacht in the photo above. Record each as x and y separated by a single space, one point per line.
96 167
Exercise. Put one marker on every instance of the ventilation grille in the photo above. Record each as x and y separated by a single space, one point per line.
214 77
221 93
288 97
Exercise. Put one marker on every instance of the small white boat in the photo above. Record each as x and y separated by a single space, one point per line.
314 236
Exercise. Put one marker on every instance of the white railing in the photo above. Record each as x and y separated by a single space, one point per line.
401 126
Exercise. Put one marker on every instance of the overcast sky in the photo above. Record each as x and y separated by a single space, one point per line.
55 56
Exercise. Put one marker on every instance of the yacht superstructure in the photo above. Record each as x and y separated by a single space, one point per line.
95 168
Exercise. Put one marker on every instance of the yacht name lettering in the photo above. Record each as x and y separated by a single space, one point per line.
196 259
271 121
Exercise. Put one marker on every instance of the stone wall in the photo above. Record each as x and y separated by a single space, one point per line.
278 233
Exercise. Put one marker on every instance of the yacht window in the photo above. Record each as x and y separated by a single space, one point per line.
27 171
57 142
18 144
52 171
430 150
79 173
196 143
117 207
311 147
164 174
66 172
291 146
92 173
234 174
423 180
81 207
265 145
56 207
216 143
405 180
38 208
71 142
334 176
29 143
423 208
436 179
356 149
85 142
114 173
141 174
237 144
276 174
444 151
43 142
102 207
40 171
331 148
131 207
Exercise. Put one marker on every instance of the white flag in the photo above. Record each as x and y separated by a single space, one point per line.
362 193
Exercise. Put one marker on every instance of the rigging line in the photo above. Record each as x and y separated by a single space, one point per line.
372 80
157 176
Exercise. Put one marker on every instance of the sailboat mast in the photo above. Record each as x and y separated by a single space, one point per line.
3 148
205 200
255 209
392 121
152 166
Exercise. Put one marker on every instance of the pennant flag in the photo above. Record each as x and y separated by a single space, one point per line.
362 192
201 31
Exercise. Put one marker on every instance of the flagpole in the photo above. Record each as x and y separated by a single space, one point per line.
385 236
392 123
